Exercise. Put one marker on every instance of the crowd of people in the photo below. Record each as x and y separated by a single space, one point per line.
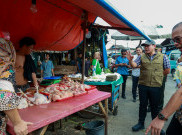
149 73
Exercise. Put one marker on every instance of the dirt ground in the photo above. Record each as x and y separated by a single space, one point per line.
120 124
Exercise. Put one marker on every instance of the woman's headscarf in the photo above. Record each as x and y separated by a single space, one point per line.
7 53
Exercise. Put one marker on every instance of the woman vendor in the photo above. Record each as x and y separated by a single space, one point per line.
95 63
8 98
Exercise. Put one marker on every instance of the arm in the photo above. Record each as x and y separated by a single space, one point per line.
34 78
166 65
52 69
41 73
20 126
52 72
173 104
166 71
131 62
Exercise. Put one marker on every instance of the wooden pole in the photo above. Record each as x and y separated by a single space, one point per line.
84 25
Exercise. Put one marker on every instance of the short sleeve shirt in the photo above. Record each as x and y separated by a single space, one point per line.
122 70
47 68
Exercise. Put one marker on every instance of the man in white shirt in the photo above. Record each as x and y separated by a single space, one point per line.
136 74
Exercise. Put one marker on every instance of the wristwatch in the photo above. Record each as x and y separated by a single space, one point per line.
162 117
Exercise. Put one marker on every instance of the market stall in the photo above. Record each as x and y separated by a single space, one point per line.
48 113
111 87
61 25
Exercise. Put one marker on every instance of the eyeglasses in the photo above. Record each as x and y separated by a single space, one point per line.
176 40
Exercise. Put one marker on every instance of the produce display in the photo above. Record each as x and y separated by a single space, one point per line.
102 78
66 88
32 98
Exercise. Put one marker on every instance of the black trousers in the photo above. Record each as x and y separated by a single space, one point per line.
151 94
124 84
162 94
134 86
174 128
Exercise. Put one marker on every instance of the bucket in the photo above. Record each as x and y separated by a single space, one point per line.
94 127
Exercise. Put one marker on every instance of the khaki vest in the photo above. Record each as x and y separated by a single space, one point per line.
151 72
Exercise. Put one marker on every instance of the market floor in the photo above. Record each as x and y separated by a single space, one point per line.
120 124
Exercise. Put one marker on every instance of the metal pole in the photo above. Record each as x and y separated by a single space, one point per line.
84 44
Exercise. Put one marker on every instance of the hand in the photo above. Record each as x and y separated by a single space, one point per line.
179 85
155 126
129 56
21 127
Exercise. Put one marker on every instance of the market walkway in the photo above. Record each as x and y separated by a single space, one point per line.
128 111
122 123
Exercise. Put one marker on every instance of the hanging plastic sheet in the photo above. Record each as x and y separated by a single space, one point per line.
104 53
57 23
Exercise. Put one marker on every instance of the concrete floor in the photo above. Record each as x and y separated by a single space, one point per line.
128 111
120 124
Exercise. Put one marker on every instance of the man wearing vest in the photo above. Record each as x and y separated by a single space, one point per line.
175 102
154 66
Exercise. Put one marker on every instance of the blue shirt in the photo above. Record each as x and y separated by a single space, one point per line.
122 70
47 68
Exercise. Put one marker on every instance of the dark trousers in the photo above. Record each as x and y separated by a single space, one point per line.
124 84
151 94
162 94
134 86
174 128
161 103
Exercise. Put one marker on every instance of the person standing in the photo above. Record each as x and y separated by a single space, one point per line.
79 63
25 70
136 74
175 102
9 100
123 64
47 67
96 64
87 65
154 66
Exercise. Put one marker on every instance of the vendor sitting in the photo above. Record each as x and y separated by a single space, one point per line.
95 63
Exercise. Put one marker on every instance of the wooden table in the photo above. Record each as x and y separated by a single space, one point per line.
43 115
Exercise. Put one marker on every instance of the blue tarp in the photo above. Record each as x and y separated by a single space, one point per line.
104 53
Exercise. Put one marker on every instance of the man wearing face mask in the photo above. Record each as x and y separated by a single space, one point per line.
154 66
123 64
25 67
174 104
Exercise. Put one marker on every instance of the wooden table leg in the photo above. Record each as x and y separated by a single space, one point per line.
106 105
60 121
105 112
44 130
106 117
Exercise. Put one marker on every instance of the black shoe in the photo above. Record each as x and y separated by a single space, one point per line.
124 97
163 132
134 100
149 109
138 127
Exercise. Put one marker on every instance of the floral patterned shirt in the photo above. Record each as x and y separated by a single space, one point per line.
8 99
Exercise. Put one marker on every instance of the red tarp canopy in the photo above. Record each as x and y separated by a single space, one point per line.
57 23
